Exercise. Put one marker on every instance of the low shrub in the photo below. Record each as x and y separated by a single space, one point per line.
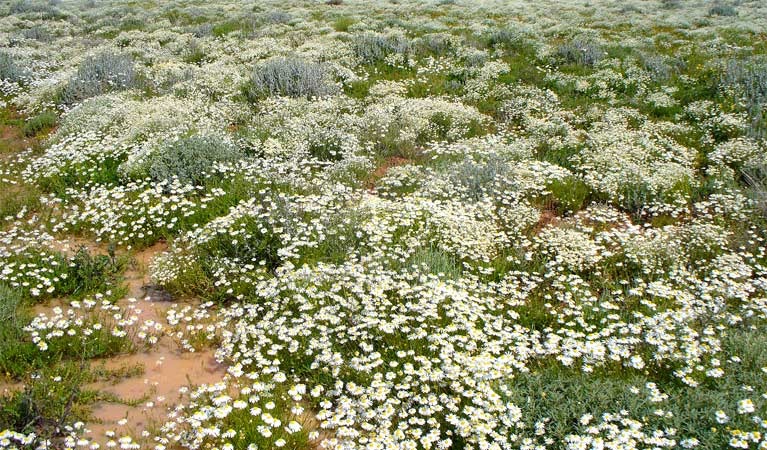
723 10
189 159
16 355
580 52
278 17
509 38
746 80
569 194
54 400
9 70
290 77
38 34
477 180
41 122
755 179
99 74
372 48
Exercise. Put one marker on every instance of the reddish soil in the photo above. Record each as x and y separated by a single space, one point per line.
381 170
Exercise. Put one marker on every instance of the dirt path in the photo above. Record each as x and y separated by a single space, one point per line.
165 368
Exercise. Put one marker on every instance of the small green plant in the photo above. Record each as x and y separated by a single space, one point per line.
52 398
17 353
343 24
569 194
434 261
40 123
90 273
14 200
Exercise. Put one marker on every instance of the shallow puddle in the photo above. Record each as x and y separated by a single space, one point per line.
151 394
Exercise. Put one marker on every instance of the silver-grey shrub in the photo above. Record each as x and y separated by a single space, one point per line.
371 48
437 44
755 179
746 80
99 74
508 37
477 179
9 70
277 17
38 34
190 159
291 77
661 68
581 52
723 10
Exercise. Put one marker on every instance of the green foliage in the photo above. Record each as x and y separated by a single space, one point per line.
222 29
194 54
342 24
87 273
569 194
51 399
19 356
559 155
77 276
17 353
434 261
562 396
21 197
248 426
42 122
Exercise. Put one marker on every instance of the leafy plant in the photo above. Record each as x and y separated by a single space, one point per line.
41 122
